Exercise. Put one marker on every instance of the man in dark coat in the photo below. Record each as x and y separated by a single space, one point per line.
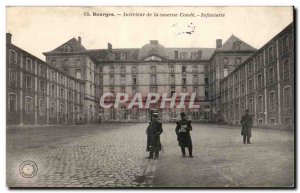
246 123
182 130
153 132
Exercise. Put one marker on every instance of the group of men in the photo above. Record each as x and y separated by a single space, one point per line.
183 128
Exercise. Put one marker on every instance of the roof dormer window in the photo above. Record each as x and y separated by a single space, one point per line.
67 48
183 56
237 46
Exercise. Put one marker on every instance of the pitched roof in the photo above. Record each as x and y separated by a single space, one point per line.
228 45
75 46
206 52
102 54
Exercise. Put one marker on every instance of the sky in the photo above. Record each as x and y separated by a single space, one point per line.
42 29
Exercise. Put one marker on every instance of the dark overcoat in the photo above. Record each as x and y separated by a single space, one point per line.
184 137
246 123
154 130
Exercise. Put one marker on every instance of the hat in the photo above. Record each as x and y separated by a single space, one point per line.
182 114
155 114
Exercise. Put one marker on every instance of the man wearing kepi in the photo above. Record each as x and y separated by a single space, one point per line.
154 130
182 130
246 123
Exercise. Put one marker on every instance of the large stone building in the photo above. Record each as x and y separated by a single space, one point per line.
38 93
264 84
152 68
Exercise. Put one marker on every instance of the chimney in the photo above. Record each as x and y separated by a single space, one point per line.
79 39
200 55
153 41
219 43
8 38
109 47
176 54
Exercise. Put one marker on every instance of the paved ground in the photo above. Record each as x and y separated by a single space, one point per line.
113 156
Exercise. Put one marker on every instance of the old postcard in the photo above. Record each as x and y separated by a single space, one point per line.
150 97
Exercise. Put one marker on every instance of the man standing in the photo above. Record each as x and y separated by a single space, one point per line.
182 130
246 123
153 137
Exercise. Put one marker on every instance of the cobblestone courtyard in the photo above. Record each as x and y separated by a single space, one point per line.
113 155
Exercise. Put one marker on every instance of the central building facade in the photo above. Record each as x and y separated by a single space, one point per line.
152 68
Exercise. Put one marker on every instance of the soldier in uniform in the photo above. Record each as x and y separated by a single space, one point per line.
154 130
246 123
182 130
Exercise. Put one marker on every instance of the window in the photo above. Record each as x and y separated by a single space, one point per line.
285 43
250 85
206 79
260 103
259 81
12 102
250 68
183 69
195 68
42 86
62 93
78 73
67 48
236 46
172 69
195 79
53 62
112 69
272 102
42 70
225 71
133 90
134 79
100 80
238 61
183 56
12 77
271 53
258 61
66 63
62 110
122 79
272 120
52 75
153 79
52 109
133 69
286 69
206 93
271 76
153 69
28 82
123 89
173 79
184 80
28 64
77 62
153 89
250 106
91 89
287 120
52 90
194 56
242 107
195 90
13 56
28 105
225 61
236 91
172 91
111 80
184 89
287 99
122 69
41 107
242 89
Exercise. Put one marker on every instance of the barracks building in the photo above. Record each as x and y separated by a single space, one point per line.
67 87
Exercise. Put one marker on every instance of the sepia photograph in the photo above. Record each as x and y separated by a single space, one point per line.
150 97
